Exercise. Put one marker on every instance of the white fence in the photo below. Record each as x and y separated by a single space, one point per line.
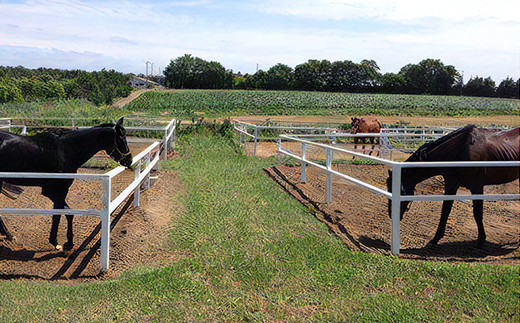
271 132
167 140
395 195
143 164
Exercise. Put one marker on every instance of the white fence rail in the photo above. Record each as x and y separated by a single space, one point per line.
401 134
395 195
151 157
166 141
142 164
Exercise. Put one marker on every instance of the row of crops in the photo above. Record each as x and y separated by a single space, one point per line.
215 103
191 103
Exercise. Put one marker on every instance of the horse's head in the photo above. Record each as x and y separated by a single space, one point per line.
119 151
407 188
355 124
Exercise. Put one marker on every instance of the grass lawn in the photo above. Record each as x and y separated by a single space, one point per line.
255 254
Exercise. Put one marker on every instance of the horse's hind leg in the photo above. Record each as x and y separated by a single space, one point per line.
70 235
4 231
478 210
449 189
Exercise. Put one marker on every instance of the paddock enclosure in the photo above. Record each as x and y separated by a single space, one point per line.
347 192
103 194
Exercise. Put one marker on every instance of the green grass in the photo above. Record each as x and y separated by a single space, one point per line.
255 254
218 103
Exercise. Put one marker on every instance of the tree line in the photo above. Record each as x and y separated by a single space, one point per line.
429 76
20 84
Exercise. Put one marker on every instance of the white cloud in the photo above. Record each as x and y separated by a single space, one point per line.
469 35
399 10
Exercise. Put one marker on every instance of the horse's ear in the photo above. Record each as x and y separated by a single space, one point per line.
120 121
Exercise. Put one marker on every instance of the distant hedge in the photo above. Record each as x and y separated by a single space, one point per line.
20 84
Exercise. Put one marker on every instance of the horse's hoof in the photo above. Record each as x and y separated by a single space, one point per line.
68 246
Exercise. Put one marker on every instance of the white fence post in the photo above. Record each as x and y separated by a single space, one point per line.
303 169
105 225
328 159
396 208
165 145
147 160
256 139
137 193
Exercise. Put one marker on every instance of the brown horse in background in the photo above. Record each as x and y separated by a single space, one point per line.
365 125
466 144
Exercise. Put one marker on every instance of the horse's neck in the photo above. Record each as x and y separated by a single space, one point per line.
413 176
79 146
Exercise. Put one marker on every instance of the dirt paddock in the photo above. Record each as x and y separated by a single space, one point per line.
360 218
137 236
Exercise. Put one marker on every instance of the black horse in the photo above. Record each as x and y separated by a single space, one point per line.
466 144
62 152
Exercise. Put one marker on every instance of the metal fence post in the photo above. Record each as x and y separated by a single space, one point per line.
105 225
147 160
165 143
256 139
137 193
328 159
396 208
303 170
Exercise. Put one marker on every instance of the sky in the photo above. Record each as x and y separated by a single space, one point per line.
479 38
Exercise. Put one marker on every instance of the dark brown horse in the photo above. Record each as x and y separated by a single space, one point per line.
466 144
57 153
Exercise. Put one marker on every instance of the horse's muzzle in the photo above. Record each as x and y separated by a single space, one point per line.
126 161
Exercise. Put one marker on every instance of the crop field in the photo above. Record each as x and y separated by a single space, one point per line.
217 103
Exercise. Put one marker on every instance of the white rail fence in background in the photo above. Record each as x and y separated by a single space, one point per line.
400 134
395 195
167 140
142 164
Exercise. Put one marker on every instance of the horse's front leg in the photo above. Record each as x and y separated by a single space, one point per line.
478 210
450 188
53 238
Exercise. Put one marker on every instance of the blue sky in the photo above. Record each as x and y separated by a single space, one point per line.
477 37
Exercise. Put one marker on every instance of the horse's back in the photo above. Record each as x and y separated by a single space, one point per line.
489 145
19 153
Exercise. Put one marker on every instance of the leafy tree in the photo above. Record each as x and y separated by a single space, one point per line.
9 92
478 86
195 73
508 88
280 77
312 75
392 83
430 76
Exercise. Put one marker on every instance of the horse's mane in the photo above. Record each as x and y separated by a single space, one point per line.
446 147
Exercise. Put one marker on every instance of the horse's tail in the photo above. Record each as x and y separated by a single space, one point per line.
10 190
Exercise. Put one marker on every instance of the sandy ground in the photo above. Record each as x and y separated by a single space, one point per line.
360 218
138 236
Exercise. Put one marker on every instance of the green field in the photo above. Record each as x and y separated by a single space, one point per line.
187 103
255 254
